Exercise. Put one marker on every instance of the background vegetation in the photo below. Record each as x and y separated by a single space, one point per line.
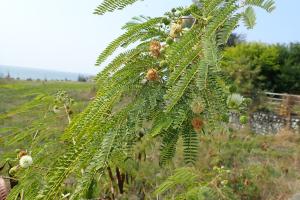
246 165
267 67
26 111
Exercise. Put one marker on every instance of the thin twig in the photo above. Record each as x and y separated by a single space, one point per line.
37 131
9 178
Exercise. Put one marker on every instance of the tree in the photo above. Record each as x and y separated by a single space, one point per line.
289 70
257 66
252 66
82 78
167 86
235 39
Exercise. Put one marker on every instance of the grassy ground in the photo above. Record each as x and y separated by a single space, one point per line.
26 109
261 167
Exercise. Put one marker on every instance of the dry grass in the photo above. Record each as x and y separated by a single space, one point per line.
271 163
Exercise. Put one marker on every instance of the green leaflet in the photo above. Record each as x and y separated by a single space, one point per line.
132 35
249 18
112 5
268 5
174 94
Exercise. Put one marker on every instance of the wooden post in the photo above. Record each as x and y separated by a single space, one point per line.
288 117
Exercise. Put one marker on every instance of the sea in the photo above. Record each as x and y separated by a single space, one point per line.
24 73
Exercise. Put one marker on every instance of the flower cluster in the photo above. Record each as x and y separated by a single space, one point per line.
176 29
152 75
25 161
197 123
155 48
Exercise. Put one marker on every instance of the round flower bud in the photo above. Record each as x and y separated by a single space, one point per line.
17 150
152 75
165 21
169 40
144 81
163 64
56 109
26 161
224 182
248 101
197 124
243 119
13 171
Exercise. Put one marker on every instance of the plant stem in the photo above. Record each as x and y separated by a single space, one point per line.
9 178
67 112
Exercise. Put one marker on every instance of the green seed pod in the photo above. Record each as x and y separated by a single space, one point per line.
243 119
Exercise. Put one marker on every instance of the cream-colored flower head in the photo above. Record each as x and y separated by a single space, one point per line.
235 100
26 161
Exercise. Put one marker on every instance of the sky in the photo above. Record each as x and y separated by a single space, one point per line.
65 35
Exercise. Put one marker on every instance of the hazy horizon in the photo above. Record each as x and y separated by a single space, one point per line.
66 36
45 69
25 73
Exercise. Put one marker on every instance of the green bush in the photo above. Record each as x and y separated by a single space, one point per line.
258 66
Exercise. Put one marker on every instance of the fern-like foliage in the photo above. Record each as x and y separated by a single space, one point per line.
134 33
182 176
112 5
186 179
147 90
168 146
268 5
185 184
249 18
